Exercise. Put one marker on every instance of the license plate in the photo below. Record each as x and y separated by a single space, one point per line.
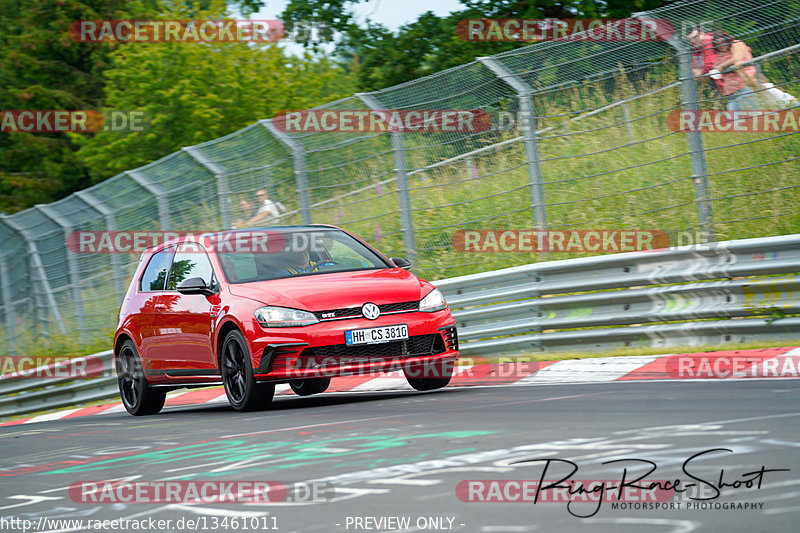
377 335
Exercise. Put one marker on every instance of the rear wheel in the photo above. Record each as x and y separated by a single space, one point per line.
138 397
307 387
429 376
243 391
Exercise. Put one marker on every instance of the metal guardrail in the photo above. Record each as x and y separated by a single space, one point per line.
24 395
704 294
701 294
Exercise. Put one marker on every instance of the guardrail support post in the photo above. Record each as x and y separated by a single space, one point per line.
161 198
38 268
111 225
72 266
8 307
300 173
696 150
531 144
223 193
401 173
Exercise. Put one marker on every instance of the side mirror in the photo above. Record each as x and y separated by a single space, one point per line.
194 286
400 262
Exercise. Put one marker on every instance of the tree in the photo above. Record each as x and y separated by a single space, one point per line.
430 43
42 68
195 92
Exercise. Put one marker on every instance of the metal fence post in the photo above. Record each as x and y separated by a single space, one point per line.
8 307
158 192
696 151
401 173
528 124
626 116
38 268
111 225
72 265
223 193
300 172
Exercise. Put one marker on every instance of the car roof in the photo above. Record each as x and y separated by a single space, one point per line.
197 237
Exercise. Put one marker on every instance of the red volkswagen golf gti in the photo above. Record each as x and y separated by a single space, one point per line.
290 304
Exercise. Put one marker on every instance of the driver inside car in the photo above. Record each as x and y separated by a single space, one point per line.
299 262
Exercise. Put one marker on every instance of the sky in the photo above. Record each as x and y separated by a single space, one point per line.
390 13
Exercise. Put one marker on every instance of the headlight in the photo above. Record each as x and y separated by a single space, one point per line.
282 317
434 301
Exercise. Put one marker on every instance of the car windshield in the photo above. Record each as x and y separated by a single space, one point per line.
261 255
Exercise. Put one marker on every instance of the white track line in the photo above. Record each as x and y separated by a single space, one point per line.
591 369
51 416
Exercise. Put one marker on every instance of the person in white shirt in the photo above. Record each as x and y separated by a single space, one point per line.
268 210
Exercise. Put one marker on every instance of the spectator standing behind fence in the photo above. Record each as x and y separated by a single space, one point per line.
740 83
268 210
704 57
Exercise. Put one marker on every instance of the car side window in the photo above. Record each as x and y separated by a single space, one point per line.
155 275
190 262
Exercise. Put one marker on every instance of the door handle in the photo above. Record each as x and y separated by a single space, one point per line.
160 307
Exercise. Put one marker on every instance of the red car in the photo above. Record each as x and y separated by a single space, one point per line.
291 304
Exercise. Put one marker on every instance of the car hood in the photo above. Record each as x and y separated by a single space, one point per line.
336 290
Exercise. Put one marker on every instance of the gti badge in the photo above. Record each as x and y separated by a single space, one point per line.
370 311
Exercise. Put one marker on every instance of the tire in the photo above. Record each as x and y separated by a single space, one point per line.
429 376
243 391
307 387
138 397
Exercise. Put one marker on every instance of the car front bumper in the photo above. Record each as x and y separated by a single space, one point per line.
319 350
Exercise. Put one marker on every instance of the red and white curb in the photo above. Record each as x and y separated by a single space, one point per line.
735 364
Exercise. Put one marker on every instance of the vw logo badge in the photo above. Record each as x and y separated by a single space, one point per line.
370 311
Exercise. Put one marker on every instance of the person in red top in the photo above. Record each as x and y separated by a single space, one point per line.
704 57
738 84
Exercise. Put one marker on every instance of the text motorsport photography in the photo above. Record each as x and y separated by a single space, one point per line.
692 490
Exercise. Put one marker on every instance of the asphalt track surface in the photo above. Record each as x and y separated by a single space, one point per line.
403 454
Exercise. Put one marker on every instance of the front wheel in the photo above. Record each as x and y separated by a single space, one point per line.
243 391
429 375
307 387
138 397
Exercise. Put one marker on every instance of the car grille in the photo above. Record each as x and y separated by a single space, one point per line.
333 314
415 345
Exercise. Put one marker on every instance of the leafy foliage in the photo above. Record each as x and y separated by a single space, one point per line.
383 58
42 68
189 92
